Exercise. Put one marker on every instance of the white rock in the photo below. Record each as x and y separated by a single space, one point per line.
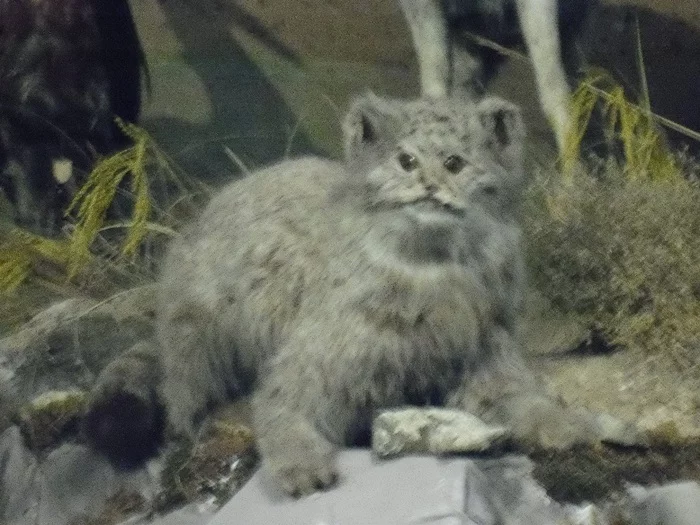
434 430
672 504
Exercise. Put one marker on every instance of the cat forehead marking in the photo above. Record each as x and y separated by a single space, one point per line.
435 122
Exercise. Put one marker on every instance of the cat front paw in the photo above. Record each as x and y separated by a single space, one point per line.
303 478
304 467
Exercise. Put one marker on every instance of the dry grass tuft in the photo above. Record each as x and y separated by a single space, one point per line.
95 197
21 252
620 249
622 253
646 154
94 248
100 252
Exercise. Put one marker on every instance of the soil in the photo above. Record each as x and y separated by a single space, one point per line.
597 474
217 465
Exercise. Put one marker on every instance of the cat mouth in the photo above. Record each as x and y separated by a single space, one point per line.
429 203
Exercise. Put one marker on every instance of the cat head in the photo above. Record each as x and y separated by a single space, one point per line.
436 157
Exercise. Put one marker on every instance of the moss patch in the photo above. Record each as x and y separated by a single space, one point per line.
217 465
594 473
51 417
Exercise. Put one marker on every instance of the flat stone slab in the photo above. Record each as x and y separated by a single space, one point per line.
417 489
672 504
410 490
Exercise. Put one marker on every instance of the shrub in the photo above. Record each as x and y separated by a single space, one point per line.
621 253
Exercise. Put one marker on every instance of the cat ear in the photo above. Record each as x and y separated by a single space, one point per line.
370 122
505 130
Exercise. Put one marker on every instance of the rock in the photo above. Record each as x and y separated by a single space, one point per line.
66 346
412 489
45 368
192 514
502 491
116 508
434 430
672 504
416 489
18 487
76 484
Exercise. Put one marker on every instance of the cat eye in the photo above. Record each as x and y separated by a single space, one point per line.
407 161
454 163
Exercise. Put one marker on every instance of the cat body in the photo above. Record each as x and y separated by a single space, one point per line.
330 290
316 274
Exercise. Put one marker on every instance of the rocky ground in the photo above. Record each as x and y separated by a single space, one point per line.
49 475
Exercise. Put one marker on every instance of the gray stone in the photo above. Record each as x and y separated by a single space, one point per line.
56 355
672 504
409 490
192 514
416 489
434 430
503 492
72 482
18 475
66 346
77 482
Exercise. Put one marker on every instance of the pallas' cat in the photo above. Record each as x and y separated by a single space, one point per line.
329 290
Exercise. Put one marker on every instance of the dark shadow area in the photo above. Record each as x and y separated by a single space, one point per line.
671 51
251 25
249 116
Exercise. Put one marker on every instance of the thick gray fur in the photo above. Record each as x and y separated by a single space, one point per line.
332 289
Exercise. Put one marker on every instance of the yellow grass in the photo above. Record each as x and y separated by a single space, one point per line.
23 252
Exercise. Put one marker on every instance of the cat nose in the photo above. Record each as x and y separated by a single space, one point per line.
429 182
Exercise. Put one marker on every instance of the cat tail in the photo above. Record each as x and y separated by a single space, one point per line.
126 418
